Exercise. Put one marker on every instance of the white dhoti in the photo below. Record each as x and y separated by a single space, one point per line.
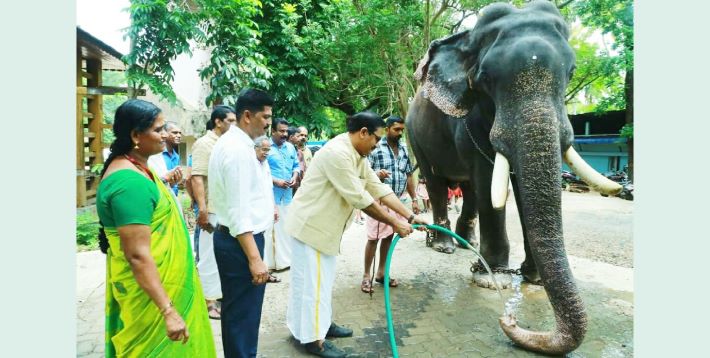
277 243
309 311
207 265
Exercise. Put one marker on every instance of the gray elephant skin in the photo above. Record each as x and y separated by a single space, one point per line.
497 92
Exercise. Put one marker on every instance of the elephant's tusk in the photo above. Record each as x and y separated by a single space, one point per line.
499 182
597 181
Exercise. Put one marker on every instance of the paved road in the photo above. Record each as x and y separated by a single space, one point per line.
437 310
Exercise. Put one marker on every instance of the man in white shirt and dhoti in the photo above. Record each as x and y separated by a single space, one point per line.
339 180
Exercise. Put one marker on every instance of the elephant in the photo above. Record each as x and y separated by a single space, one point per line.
490 110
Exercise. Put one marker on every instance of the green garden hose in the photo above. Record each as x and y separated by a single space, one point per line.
388 310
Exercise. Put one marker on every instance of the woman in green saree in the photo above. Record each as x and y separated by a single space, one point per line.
154 301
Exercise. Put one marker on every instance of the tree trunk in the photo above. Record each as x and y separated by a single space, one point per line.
629 94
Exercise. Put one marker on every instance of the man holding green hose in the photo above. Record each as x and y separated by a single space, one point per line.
339 180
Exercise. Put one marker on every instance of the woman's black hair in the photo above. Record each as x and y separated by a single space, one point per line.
134 114
369 120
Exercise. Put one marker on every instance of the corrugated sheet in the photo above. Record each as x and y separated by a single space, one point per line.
91 47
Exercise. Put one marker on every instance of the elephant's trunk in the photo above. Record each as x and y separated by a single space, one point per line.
537 162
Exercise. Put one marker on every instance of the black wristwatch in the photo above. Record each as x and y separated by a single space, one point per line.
410 218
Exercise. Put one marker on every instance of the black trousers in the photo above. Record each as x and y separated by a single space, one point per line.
241 299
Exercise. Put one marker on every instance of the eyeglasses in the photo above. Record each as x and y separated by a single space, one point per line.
376 136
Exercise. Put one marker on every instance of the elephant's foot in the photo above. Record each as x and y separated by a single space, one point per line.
467 230
530 273
471 241
483 279
443 244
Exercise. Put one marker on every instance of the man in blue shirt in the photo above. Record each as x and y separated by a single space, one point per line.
170 154
283 162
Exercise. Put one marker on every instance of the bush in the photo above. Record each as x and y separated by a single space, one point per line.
87 229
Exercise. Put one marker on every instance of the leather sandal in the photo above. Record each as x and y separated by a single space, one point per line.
213 312
366 286
393 282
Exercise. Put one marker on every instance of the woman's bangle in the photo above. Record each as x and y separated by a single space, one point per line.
166 308
411 217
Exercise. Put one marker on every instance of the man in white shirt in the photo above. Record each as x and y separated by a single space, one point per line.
243 210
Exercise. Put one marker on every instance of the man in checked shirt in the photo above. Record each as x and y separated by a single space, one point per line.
390 162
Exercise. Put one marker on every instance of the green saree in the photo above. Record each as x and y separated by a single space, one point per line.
134 324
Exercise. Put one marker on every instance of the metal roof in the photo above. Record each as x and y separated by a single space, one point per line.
599 123
92 47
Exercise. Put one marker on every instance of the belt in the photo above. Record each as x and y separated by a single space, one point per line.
225 230
222 228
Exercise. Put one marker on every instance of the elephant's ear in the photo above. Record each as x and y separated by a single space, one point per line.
443 72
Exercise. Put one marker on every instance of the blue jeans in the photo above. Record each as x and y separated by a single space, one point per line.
241 299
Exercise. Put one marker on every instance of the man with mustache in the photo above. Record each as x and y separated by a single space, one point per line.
307 154
283 161
243 212
390 161
339 180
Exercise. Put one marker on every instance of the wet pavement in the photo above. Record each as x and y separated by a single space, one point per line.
437 310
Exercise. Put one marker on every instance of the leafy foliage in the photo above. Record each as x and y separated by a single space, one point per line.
111 102
160 31
596 74
87 229
229 30
324 59
615 18
627 131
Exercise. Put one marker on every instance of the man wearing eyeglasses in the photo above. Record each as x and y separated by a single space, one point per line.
339 180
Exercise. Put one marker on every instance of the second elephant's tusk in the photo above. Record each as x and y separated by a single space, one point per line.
499 182
590 176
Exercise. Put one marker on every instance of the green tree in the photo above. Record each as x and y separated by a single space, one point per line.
111 102
323 59
228 28
160 31
616 18
595 77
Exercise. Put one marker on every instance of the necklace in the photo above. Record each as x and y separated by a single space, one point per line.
140 166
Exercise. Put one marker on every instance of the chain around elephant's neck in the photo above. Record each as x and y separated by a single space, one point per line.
465 124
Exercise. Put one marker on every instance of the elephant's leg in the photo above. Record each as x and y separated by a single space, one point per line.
466 223
438 189
495 247
528 268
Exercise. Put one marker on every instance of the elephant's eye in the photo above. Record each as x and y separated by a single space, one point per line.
483 79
